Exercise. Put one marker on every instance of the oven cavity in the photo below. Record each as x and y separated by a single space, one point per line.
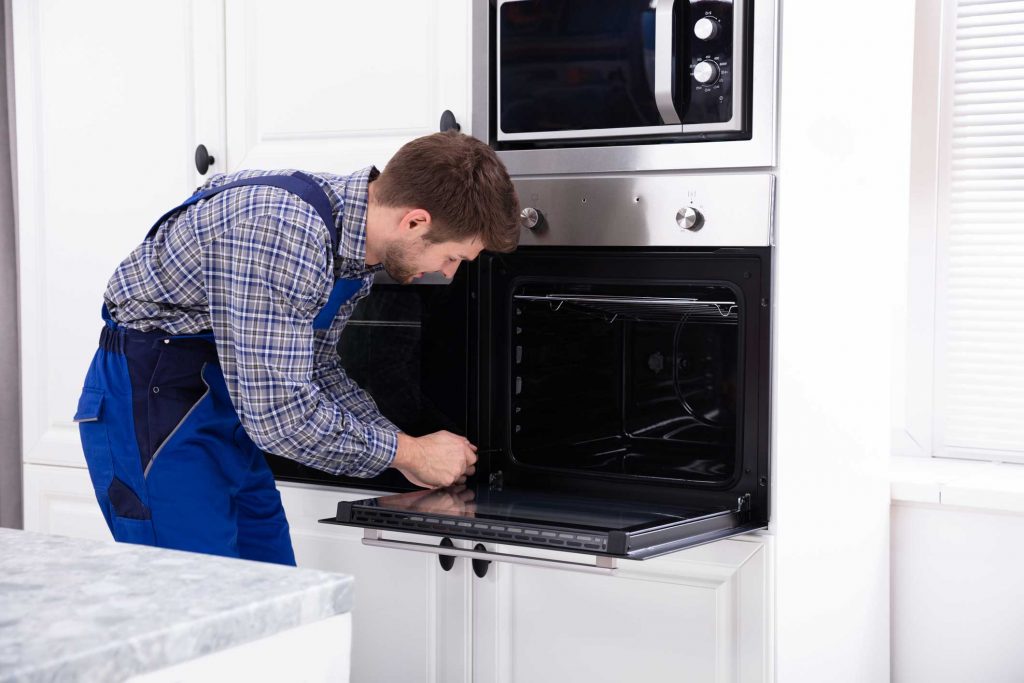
637 381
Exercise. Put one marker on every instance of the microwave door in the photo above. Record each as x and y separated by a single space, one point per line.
554 521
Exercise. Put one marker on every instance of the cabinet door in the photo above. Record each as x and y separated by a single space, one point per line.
410 619
109 110
336 86
699 616
60 500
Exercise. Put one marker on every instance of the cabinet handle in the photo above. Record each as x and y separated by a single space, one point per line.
446 561
663 30
203 160
480 567
603 565
448 121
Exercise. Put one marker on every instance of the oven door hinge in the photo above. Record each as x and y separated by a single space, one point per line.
743 503
496 481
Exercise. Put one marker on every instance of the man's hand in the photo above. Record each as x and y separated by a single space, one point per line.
435 460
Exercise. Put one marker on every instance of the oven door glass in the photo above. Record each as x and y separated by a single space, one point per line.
573 523
407 346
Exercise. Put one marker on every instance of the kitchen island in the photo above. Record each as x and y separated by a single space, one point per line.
74 609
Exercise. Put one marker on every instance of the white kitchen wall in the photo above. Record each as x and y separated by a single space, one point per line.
957 595
844 158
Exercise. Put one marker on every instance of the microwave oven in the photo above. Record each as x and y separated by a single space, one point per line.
575 86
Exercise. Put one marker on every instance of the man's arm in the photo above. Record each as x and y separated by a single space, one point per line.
266 279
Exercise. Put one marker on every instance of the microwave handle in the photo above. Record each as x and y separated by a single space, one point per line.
603 565
663 29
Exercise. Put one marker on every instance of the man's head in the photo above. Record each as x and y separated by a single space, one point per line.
441 200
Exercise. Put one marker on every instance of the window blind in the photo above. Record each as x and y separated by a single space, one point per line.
979 410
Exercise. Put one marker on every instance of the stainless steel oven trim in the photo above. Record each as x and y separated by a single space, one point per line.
760 151
641 210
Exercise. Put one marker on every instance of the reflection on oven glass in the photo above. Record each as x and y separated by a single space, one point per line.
398 347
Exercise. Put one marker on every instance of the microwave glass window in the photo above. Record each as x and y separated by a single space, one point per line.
577 64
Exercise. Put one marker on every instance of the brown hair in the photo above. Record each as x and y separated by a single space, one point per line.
461 182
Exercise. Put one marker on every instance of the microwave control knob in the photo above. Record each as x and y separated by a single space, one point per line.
706 28
531 218
690 219
706 72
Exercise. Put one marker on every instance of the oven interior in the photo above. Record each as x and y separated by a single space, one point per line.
636 380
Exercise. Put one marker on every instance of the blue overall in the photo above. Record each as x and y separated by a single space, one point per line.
169 460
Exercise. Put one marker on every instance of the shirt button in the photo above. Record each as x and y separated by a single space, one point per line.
156 390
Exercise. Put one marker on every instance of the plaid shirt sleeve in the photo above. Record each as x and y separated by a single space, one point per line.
264 281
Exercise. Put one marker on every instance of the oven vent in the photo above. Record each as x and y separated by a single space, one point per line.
497 533
642 308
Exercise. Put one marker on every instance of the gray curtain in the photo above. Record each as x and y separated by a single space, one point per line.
10 381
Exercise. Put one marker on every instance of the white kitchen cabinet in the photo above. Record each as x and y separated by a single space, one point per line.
337 86
697 615
109 101
113 96
410 619
60 500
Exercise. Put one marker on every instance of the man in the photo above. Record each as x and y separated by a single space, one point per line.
220 335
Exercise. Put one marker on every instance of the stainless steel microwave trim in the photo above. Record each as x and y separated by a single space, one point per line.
662 63
662 87
602 565
640 210
758 152
731 124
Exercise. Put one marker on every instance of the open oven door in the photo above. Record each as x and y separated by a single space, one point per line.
544 519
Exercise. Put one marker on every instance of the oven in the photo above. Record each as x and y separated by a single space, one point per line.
616 373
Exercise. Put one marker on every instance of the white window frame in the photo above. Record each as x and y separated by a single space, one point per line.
917 403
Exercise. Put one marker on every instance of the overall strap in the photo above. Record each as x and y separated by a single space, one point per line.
344 289
306 189
298 183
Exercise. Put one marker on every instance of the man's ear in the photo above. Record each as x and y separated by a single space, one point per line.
416 219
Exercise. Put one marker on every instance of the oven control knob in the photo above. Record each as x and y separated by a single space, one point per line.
531 219
706 28
690 218
706 72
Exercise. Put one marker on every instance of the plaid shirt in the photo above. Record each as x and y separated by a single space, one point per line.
254 264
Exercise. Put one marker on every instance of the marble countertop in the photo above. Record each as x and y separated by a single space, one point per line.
73 609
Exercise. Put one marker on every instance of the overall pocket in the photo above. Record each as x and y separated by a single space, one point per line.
95 440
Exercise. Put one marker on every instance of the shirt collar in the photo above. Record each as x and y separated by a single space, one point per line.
352 222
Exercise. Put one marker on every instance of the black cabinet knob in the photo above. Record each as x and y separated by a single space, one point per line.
447 561
448 121
480 566
203 160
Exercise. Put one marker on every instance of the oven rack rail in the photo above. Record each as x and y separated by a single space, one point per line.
643 309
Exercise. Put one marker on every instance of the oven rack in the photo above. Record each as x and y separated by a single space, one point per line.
642 308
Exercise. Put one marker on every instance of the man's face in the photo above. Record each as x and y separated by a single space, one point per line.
408 259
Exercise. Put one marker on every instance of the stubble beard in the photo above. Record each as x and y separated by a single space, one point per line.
398 263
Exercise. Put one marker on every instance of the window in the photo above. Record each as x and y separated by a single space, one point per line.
965 360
